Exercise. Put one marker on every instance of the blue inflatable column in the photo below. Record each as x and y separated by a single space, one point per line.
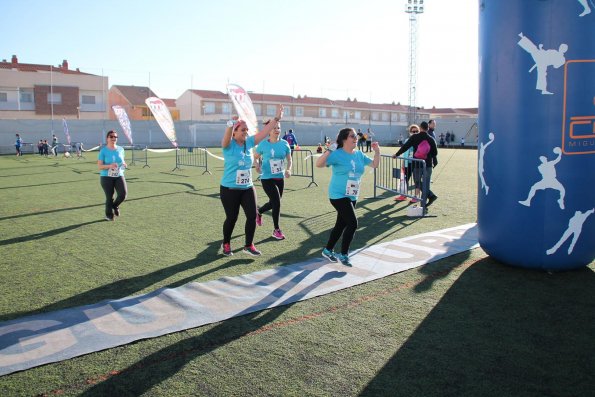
536 149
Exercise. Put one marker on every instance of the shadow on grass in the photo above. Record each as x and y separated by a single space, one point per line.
130 286
500 331
156 368
49 233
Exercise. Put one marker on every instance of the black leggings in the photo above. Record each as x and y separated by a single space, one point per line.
110 185
346 224
274 189
232 199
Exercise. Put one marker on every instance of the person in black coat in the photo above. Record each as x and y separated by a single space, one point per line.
430 161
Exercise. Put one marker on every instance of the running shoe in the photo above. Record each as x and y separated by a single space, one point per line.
258 219
330 255
431 200
251 250
414 200
226 247
278 234
116 211
344 258
107 218
400 198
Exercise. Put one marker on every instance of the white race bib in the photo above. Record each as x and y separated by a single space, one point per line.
243 177
352 188
114 173
277 165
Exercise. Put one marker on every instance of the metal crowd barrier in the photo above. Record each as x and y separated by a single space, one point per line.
391 176
139 155
192 157
303 165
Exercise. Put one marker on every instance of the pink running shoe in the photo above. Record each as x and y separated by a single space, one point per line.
414 200
226 248
258 219
400 198
278 234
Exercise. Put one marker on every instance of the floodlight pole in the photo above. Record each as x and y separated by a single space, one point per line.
413 8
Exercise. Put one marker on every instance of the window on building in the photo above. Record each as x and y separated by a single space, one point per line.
322 112
287 111
375 116
88 100
208 108
226 108
394 116
3 97
335 113
55 98
299 111
357 115
271 110
147 112
258 110
27 97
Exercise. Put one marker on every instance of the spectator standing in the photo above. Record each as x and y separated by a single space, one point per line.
432 128
40 147
360 140
408 166
55 145
463 141
369 135
18 144
414 141
291 139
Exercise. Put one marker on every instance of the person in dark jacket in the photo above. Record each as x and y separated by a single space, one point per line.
414 141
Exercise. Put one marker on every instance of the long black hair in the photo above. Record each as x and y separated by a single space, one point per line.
342 135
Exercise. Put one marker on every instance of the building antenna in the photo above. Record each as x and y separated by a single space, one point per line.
413 8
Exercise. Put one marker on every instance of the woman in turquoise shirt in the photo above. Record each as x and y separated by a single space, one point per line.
273 161
237 189
348 167
111 170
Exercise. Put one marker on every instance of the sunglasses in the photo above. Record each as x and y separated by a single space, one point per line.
414 131
352 136
113 136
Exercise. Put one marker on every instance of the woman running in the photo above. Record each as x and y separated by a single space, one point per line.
273 161
347 170
237 189
111 170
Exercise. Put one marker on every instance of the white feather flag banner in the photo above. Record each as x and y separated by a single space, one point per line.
243 105
65 125
163 117
124 121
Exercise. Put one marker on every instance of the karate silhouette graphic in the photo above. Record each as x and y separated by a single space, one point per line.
586 8
575 227
482 149
547 169
543 59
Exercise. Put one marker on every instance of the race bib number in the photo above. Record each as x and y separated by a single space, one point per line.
114 173
277 166
352 188
243 177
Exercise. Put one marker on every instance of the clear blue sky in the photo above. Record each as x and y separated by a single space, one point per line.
330 48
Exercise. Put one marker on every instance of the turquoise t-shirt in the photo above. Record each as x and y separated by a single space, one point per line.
273 158
109 156
237 172
348 170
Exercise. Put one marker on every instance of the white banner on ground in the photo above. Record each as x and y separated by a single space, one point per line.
243 105
124 122
163 117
